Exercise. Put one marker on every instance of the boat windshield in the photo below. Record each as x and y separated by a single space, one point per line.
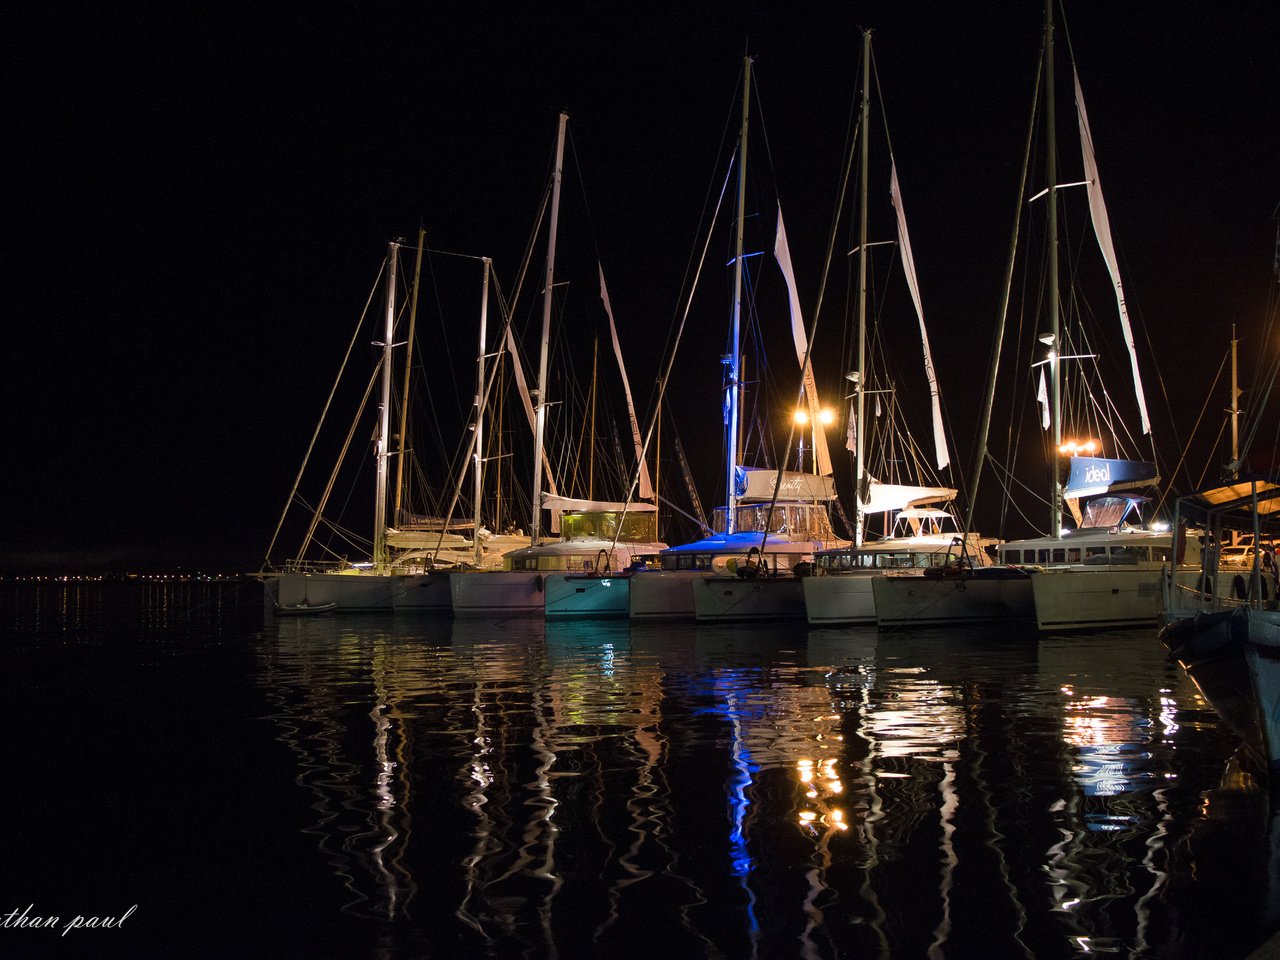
798 521
636 527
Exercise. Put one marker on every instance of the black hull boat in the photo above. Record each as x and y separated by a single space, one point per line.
1233 656
1210 648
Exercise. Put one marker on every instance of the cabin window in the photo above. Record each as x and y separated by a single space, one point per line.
1094 552
1042 556
1059 555
1073 555
1162 554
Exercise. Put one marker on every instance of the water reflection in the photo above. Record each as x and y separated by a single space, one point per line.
578 789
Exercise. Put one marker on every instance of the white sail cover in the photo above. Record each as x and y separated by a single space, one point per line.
646 486
896 496
1102 227
909 265
821 456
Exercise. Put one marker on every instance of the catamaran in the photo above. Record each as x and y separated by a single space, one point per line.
595 536
1107 572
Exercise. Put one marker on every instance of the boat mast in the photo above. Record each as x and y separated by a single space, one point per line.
408 367
380 564
541 424
859 467
1055 370
735 357
1235 407
478 462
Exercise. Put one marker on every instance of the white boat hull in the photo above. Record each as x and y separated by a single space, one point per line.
578 597
496 592
841 598
731 599
1084 598
930 601
349 592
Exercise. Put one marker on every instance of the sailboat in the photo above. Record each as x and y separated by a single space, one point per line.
432 551
408 549
595 536
1108 571
772 521
342 585
921 535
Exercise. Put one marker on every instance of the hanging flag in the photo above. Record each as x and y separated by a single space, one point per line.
782 252
1042 398
1102 230
941 454
851 435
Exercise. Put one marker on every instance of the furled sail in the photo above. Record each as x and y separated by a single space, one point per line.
523 389
646 486
1102 227
909 265
782 252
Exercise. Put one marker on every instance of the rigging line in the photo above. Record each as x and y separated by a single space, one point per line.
342 455
812 334
458 393
671 359
451 253
1216 442
493 375
980 450
677 319
1191 439
324 413
1253 426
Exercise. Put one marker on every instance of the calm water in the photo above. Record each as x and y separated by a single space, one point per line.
394 787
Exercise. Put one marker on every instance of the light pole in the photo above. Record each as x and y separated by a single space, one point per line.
826 417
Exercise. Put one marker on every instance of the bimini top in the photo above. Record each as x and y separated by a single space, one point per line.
758 483
737 543
568 504
1092 476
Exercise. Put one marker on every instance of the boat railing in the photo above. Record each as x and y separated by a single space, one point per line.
316 566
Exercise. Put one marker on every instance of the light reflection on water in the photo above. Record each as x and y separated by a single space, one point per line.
581 789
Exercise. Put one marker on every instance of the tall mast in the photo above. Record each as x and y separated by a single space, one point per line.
1055 344
408 366
478 462
541 425
735 356
859 468
380 564
1235 406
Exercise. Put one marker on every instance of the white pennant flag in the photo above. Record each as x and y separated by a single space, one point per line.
1042 397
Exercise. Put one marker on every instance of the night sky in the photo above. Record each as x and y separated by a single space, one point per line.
200 196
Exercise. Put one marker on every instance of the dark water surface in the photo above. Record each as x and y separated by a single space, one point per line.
397 786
